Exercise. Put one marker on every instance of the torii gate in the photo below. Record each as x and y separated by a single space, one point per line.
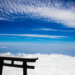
12 59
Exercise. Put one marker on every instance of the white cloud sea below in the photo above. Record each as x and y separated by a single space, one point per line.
51 64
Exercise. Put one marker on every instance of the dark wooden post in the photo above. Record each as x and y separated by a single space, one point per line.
12 62
24 68
1 66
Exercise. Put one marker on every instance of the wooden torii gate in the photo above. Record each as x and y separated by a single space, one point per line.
12 59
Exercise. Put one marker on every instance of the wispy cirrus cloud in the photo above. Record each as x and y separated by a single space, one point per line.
51 11
35 35
63 16
50 29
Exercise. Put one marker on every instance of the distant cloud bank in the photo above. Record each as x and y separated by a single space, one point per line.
3 47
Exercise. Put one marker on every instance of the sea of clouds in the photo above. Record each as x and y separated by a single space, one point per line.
47 64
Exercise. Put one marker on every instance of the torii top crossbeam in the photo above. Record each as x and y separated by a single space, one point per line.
12 59
18 59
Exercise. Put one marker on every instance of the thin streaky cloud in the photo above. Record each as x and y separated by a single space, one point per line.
35 35
50 29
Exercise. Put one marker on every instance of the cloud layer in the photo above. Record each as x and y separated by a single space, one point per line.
52 64
52 11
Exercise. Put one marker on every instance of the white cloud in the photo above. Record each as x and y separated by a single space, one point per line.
63 16
52 64
6 54
1 18
35 35
40 9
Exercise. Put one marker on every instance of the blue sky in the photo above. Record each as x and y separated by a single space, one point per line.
37 25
